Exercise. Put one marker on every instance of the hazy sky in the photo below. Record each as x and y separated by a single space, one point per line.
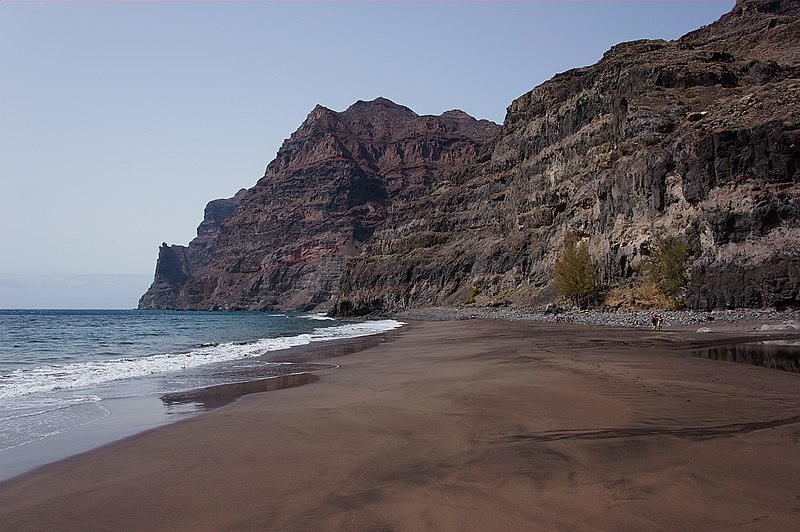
119 121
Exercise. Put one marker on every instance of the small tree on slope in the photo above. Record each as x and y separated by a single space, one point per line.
575 276
667 267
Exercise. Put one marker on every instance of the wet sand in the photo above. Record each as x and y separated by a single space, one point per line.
469 425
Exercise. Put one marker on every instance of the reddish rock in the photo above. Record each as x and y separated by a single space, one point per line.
332 184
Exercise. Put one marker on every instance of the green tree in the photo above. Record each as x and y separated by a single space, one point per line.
667 266
575 276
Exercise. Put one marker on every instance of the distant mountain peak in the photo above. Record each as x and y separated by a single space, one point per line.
379 101
379 105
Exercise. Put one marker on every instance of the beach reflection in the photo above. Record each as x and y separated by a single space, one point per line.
212 397
216 385
782 355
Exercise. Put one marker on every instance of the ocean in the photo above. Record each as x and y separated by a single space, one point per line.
74 379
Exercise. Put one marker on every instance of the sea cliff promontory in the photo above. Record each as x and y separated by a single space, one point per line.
285 243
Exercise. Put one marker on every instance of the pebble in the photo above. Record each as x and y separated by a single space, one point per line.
608 318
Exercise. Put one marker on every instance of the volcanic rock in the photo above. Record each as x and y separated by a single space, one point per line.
697 138
284 243
379 210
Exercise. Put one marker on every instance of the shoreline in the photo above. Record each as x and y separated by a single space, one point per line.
471 425
131 416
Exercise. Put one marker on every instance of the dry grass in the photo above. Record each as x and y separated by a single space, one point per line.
640 296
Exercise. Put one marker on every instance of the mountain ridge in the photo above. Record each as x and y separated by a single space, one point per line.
332 183
387 209
657 138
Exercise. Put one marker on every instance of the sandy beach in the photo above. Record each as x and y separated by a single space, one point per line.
466 425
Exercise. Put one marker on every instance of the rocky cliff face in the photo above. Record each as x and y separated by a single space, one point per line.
177 264
284 243
699 137
376 209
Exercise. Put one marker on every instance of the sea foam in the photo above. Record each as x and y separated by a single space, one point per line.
26 381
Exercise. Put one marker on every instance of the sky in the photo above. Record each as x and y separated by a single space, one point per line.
119 121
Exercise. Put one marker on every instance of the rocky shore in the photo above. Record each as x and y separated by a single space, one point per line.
788 319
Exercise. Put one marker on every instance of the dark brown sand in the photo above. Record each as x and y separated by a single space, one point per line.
471 425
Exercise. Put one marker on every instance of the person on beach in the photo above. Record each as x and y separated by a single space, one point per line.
656 322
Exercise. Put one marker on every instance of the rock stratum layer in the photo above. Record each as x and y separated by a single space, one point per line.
377 209
284 243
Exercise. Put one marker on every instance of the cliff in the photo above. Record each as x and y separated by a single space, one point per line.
377 209
698 138
284 243
177 264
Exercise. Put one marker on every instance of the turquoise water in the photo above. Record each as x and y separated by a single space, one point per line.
65 371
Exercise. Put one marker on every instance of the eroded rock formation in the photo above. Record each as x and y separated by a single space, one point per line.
284 243
698 137
376 209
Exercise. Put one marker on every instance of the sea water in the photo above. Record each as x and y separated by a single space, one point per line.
67 371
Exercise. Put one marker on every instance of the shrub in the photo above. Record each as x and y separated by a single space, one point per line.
667 266
642 295
472 295
575 276
504 293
